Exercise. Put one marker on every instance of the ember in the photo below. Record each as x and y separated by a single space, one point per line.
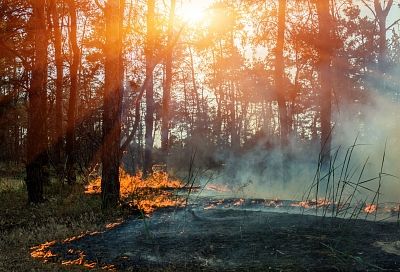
218 188
370 208
322 202
239 202
43 251
274 203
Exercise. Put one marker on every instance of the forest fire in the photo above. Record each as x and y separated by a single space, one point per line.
209 134
175 234
148 194
308 204
45 251
42 251
370 208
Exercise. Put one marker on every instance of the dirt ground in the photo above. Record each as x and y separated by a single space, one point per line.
240 240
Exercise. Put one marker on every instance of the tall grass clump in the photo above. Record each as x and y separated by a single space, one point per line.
340 187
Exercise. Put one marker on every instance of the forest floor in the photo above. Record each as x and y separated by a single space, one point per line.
69 232
67 213
234 239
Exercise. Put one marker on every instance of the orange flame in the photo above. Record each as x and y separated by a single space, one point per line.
307 204
370 208
146 194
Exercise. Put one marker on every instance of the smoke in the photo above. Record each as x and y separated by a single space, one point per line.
377 127
259 171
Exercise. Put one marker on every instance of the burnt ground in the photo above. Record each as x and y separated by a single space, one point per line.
240 240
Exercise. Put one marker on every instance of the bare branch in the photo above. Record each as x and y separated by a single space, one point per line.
393 24
368 6
144 86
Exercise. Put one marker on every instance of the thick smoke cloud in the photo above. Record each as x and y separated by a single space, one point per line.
257 173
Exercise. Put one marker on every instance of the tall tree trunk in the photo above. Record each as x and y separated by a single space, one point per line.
73 95
279 74
325 58
149 118
166 100
234 122
36 167
58 126
195 96
110 184
381 14
280 88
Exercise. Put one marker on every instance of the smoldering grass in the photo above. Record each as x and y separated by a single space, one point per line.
351 197
191 177
358 209
377 193
340 192
346 163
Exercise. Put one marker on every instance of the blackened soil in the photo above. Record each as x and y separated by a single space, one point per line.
239 240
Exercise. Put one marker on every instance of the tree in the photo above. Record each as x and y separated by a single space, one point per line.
325 58
73 95
279 84
149 118
279 74
36 167
381 14
167 87
110 184
58 123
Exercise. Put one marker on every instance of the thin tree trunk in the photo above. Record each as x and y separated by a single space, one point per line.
73 95
149 119
195 95
110 185
166 100
280 89
234 126
279 75
325 56
381 17
58 126
36 167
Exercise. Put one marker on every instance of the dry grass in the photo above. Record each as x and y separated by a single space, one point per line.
68 212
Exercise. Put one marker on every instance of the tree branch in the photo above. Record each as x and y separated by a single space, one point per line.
393 24
366 4
159 57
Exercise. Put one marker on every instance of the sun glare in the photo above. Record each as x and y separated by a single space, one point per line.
192 12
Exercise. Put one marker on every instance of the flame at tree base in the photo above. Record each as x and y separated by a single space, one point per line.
146 194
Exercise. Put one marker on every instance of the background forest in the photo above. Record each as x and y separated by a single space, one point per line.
254 90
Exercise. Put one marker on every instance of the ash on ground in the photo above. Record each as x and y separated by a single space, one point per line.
236 238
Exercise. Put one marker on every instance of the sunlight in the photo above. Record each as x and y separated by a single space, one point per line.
192 12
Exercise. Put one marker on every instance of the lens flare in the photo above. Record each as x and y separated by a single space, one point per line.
191 12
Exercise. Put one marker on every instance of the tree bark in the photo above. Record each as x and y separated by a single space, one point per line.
58 126
279 75
166 100
73 95
325 58
149 118
381 14
281 91
36 167
110 184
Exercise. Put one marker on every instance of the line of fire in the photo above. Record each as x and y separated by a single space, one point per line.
200 135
